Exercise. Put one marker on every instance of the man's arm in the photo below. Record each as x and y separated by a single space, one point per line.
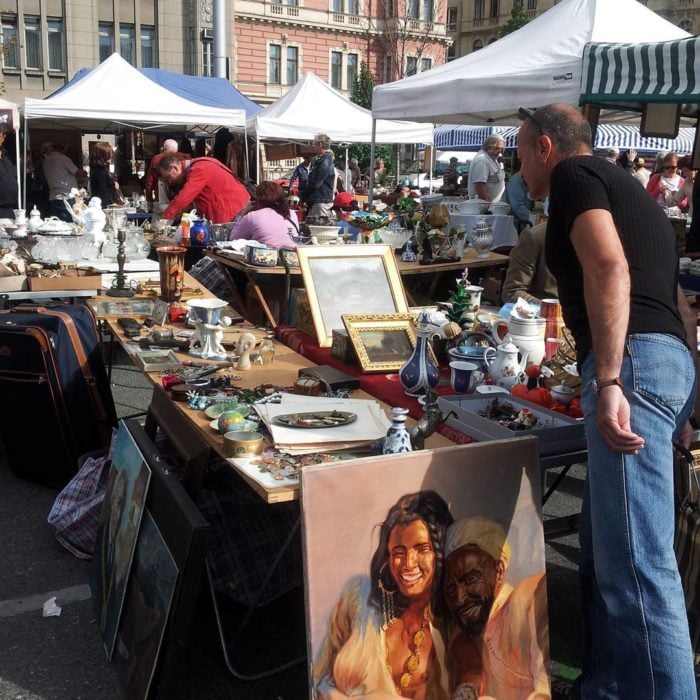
606 286
482 191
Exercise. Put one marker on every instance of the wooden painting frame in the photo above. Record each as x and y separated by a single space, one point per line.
351 279
359 326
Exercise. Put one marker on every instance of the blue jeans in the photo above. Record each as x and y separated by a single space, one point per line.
636 627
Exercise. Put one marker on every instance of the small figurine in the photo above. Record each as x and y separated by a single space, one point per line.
429 422
244 347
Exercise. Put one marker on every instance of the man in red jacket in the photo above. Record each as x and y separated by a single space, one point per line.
205 182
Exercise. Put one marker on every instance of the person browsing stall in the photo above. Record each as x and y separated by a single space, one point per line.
486 179
102 182
320 188
8 182
268 219
613 253
205 182
156 190
62 176
300 176
528 275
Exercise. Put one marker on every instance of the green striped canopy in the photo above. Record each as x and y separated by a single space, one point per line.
620 74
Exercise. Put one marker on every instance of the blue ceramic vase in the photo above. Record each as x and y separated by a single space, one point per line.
420 373
397 438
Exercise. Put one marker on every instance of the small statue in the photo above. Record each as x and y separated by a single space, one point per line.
245 346
429 422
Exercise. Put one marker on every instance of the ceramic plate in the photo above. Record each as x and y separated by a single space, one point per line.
471 352
245 425
316 419
216 409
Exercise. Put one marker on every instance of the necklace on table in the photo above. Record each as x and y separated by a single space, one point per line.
413 661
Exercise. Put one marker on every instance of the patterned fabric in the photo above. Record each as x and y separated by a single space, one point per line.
208 273
76 511
247 536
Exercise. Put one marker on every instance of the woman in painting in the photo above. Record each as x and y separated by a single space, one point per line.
383 639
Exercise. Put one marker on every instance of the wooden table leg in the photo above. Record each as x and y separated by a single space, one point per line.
236 300
261 299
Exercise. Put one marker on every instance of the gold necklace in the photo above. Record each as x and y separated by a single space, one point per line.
413 661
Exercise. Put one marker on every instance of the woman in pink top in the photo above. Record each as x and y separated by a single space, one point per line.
268 219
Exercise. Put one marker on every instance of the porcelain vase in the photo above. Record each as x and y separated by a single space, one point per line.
420 373
397 438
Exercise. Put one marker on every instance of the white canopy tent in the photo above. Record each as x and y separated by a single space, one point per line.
539 64
313 107
115 94
9 110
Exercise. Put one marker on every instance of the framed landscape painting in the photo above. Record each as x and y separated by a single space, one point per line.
351 279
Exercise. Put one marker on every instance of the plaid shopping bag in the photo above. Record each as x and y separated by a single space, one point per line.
76 511
687 540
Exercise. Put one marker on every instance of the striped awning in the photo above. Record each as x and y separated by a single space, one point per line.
449 137
665 71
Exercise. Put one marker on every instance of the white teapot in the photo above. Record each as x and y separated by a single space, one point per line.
503 365
34 220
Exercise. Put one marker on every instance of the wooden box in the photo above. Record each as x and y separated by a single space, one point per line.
13 283
77 279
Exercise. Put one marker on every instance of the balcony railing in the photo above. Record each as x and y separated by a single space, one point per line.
284 10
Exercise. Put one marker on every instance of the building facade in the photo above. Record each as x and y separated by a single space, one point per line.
270 43
473 24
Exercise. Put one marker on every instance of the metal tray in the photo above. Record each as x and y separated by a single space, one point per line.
316 419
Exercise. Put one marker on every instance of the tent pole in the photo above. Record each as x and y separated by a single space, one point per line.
257 158
347 170
247 156
22 191
372 155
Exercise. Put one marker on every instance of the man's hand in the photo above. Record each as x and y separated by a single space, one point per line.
613 421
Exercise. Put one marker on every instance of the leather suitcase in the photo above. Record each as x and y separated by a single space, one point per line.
55 400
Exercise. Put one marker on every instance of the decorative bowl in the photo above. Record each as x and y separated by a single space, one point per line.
500 208
262 257
245 425
216 409
324 234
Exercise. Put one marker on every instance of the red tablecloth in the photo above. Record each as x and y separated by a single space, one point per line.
385 387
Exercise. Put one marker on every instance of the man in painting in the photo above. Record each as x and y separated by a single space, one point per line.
382 639
613 254
498 642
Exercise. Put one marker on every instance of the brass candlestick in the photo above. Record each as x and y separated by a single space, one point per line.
119 286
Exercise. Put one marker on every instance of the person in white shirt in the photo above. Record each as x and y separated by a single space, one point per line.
486 178
61 175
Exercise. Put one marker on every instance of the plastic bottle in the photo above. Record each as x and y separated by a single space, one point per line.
185 229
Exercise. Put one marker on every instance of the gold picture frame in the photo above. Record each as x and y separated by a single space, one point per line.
382 342
350 279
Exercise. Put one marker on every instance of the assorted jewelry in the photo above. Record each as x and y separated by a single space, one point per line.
413 661
283 466
388 610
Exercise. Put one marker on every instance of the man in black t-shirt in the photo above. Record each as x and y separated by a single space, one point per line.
612 252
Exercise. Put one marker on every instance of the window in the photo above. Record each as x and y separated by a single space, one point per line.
127 43
479 9
478 44
292 65
106 39
388 9
411 65
451 19
427 10
426 64
55 44
10 42
352 7
148 47
336 70
32 43
494 8
531 4
451 53
351 69
388 69
337 6
207 58
275 67
492 39
412 9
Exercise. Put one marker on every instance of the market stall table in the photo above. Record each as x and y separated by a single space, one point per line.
257 276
